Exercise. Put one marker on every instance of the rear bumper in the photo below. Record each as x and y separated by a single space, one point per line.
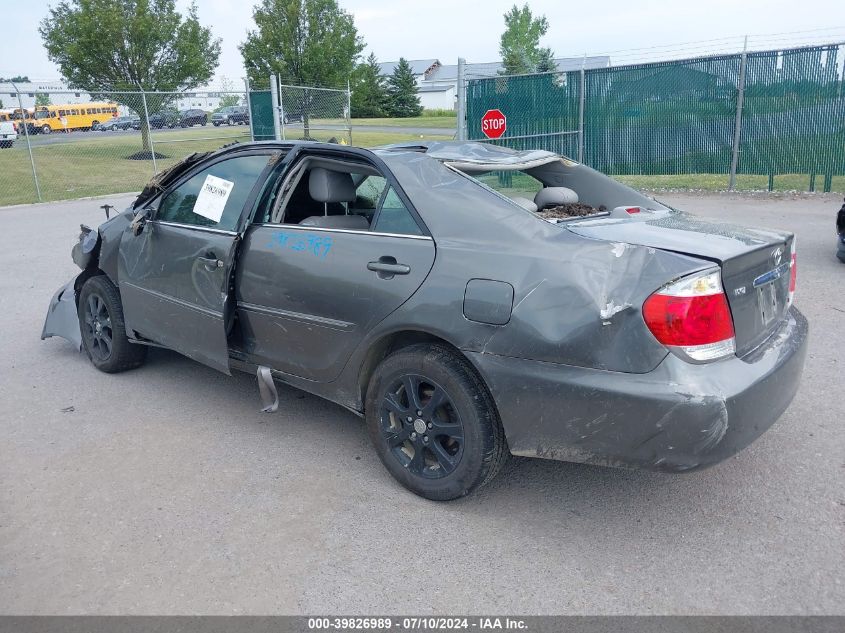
676 418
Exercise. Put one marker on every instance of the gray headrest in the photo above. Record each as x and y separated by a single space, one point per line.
553 196
352 222
330 186
525 203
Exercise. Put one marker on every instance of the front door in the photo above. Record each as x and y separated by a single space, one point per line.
174 276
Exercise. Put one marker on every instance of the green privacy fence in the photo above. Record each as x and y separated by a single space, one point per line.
768 113
261 115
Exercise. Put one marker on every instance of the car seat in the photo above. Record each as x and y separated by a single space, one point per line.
333 187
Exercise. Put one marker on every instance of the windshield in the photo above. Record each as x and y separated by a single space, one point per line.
42 114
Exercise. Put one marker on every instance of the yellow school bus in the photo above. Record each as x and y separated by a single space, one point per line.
22 118
72 116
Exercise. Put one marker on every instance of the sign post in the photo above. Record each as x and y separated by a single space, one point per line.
494 123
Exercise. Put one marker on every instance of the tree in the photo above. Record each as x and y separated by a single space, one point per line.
519 45
369 94
403 100
104 46
17 79
227 99
303 42
42 99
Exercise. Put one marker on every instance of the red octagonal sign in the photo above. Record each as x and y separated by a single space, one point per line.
494 123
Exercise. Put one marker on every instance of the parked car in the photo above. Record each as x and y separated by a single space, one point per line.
840 230
164 118
590 324
119 123
294 116
231 115
8 133
188 118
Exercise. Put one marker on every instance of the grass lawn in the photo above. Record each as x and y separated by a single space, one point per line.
88 165
719 182
420 121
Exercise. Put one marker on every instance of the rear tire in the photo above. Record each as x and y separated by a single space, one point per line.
103 329
433 422
46 129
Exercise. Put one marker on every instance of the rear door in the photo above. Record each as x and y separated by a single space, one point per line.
307 295
174 276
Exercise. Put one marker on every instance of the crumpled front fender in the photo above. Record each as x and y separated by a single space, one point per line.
62 319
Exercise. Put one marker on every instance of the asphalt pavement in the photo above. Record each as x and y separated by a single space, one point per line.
165 491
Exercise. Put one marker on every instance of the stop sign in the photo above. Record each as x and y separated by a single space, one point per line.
494 123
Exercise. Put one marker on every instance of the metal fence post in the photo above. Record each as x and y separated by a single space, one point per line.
149 129
349 111
277 111
462 100
581 102
740 98
249 108
28 146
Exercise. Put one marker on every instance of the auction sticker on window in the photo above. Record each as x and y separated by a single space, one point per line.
213 196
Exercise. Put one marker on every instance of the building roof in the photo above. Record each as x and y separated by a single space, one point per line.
440 88
449 72
418 66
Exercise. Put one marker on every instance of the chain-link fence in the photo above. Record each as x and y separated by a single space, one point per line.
751 117
319 114
81 145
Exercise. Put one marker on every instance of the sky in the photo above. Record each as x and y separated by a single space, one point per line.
629 31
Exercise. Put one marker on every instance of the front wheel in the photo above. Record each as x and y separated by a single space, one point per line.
46 129
103 330
433 422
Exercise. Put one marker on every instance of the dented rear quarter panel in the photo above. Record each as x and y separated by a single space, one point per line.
577 301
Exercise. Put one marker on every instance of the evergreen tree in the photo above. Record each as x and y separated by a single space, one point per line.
403 100
369 95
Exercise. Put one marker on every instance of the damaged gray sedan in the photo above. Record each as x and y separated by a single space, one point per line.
468 300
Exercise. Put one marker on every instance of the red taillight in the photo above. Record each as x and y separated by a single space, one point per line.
692 316
682 321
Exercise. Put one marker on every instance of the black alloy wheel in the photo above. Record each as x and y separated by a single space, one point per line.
422 426
97 328
433 422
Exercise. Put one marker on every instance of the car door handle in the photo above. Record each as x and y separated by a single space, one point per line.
210 263
393 269
386 267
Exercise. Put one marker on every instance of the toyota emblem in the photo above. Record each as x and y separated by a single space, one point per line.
777 255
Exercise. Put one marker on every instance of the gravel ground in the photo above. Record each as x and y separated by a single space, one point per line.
165 491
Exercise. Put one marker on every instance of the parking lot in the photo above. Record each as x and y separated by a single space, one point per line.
164 490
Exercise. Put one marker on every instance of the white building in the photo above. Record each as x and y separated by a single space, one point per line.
59 92
438 83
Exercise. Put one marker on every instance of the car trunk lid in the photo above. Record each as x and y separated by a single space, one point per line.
755 262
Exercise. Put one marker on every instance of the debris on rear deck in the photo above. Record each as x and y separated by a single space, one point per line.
570 210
